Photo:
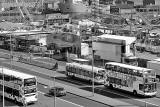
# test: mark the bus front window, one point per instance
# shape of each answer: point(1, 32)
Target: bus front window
point(150, 87)
point(28, 91)
point(99, 76)
point(30, 82)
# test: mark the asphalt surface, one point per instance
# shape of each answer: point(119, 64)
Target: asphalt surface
point(142, 102)
point(44, 101)
point(109, 93)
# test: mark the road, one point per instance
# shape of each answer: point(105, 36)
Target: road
point(44, 101)
point(116, 94)
point(41, 72)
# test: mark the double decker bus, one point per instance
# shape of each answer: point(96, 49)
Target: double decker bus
point(130, 78)
point(85, 72)
point(18, 86)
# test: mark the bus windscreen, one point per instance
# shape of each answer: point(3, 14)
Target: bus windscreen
point(30, 82)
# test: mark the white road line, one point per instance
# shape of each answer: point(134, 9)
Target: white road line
point(70, 102)
point(130, 98)
point(65, 100)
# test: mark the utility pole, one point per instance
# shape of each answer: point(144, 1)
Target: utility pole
point(3, 88)
point(92, 69)
point(11, 53)
point(54, 82)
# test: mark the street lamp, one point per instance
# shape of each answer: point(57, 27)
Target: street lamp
point(3, 85)
point(11, 53)
point(54, 90)
point(92, 67)
point(54, 81)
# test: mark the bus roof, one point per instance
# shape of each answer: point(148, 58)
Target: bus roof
point(87, 67)
point(79, 59)
point(16, 73)
point(129, 66)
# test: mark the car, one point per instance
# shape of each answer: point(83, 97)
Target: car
point(60, 91)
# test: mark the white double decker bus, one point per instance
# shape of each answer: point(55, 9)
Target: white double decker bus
point(130, 78)
point(18, 86)
point(85, 72)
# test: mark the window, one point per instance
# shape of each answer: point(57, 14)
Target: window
point(1, 87)
point(118, 81)
point(16, 80)
point(6, 77)
point(119, 69)
point(108, 67)
point(139, 73)
point(67, 68)
point(30, 91)
point(112, 80)
point(8, 90)
point(114, 68)
point(86, 73)
point(124, 70)
point(90, 74)
point(73, 69)
point(30, 82)
point(1, 76)
point(130, 71)
point(82, 72)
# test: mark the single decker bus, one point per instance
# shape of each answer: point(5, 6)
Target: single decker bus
point(19, 87)
point(130, 78)
point(85, 72)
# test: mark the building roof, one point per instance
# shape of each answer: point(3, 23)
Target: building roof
point(116, 39)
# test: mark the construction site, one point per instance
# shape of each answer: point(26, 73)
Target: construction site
point(139, 19)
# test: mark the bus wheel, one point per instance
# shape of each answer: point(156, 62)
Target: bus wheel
point(134, 92)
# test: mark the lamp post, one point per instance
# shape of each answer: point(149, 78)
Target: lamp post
point(11, 53)
point(92, 67)
point(3, 87)
point(54, 90)
point(54, 81)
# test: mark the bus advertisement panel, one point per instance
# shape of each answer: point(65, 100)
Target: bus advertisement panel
point(130, 78)
point(85, 72)
point(18, 86)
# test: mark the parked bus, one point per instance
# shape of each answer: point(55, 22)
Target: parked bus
point(18, 86)
point(130, 78)
point(85, 72)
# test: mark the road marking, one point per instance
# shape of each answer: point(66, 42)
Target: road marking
point(63, 100)
point(2, 58)
point(70, 102)
point(129, 97)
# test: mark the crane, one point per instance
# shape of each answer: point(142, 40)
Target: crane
point(24, 11)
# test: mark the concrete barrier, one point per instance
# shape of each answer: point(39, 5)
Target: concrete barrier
point(29, 60)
